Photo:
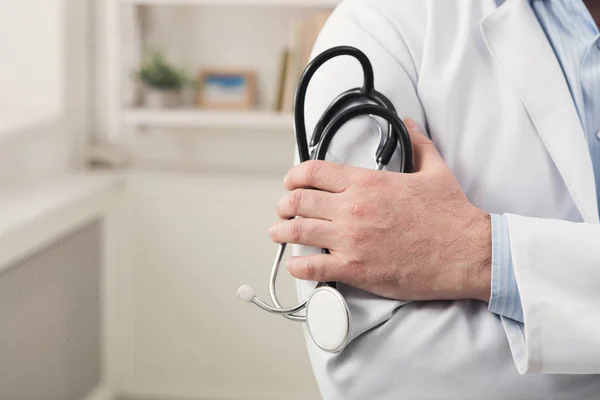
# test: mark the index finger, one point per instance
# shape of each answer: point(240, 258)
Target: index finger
point(316, 174)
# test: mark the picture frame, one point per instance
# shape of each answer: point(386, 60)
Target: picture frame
point(226, 89)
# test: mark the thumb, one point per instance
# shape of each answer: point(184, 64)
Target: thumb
point(425, 155)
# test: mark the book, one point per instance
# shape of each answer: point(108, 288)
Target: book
point(293, 68)
point(281, 82)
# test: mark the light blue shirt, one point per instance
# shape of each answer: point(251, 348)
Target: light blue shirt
point(576, 41)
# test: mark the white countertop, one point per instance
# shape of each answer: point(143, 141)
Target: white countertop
point(30, 216)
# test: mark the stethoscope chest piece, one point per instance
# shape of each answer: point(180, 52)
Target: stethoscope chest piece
point(328, 319)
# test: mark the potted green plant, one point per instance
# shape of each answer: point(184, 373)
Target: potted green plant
point(163, 83)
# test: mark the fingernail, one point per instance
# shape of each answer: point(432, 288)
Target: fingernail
point(288, 266)
point(272, 230)
point(410, 124)
point(285, 179)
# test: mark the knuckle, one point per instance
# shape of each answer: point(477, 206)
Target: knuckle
point(295, 201)
point(311, 172)
point(358, 210)
point(296, 230)
point(368, 180)
point(309, 270)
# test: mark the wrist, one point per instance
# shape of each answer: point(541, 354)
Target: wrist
point(479, 276)
point(469, 254)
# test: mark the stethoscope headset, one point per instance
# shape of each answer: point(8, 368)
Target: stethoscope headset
point(326, 312)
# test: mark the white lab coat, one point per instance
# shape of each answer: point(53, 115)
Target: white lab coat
point(482, 79)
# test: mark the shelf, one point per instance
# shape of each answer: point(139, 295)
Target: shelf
point(240, 3)
point(246, 120)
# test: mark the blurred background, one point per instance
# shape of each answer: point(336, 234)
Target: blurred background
point(142, 149)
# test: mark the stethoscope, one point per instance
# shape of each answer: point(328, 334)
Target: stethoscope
point(327, 315)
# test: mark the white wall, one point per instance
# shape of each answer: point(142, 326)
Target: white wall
point(31, 90)
point(195, 239)
point(32, 51)
point(33, 153)
point(45, 100)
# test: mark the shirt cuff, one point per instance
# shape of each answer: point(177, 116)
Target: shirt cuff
point(504, 299)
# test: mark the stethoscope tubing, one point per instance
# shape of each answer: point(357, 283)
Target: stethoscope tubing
point(389, 116)
point(273, 290)
point(311, 69)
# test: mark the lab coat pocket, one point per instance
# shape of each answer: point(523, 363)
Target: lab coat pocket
point(367, 311)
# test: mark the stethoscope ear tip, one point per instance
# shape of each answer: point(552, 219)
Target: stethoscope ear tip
point(246, 293)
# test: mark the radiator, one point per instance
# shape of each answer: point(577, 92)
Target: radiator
point(50, 342)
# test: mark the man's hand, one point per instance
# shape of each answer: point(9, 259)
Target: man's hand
point(401, 236)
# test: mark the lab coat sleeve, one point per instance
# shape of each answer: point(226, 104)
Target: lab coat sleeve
point(358, 23)
point(557, 267)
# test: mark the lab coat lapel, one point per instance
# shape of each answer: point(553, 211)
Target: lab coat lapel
point(520, 48)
